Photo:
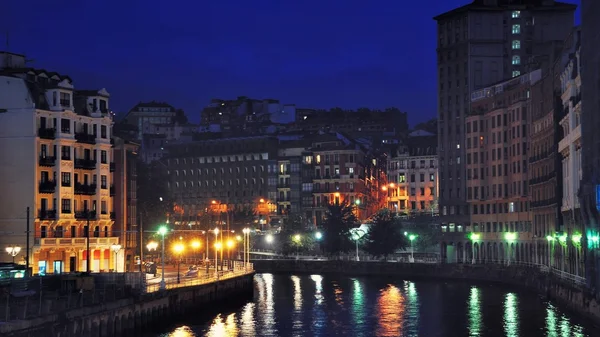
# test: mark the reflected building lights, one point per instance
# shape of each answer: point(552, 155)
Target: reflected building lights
point(562, 327)
point(248, 324)
point(358, 301)
point(183, 331)
point(319, 319)
point(511, 315)
point(297, 314)
point(390, 310)
point(475, 323)
point(270, 328)
point(412, 310)
point(337, 292)
point(318, 288)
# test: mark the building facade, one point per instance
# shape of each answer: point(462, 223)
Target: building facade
point(479, 44)
point(590, 120)
point(57, 153)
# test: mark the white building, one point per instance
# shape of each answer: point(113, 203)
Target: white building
point(56, 160)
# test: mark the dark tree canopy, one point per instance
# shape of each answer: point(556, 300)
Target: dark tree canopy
point(385, 235)
point(339, 220)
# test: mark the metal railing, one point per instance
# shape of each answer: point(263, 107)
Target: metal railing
point(204, 276)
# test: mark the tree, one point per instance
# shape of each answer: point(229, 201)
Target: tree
point(385, 235)
point(241, 218)
point(339, 220)
point(294, 235)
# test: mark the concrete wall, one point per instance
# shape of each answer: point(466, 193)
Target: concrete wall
point(130, 316)
point(578, 299)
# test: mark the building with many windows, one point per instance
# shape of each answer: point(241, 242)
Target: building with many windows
point(481, 43)
point(56, 155)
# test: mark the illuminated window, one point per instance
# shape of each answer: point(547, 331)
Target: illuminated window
point(516, 44)
point(516, 73)
point(318, 159)
point(516, 29)
point(516, 60)
point(458, 146)
point(516, 14)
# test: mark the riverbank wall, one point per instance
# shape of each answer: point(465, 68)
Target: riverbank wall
point(575, 297)
point(128, 317)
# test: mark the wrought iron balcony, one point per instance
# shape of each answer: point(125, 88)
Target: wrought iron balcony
point(83, 215)
point(86, 164)
point(83, 137)
point(47, 161)
point(47, 133)
point(48, 186)
point(85, 189)
point(47, 214)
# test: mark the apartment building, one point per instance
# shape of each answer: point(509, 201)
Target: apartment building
point(56, 160)
point(479, 44)
point(145, 115)
point(413, 176)
point(497, 146)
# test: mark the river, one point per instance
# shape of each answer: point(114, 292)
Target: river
point(315, 305)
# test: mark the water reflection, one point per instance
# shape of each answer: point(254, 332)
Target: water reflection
point(319, 319)
point(268, 306)
point(561, 327)
point(223, 327)
point(390, 309)
point(358, 302)
point(412, 310)
point(247, 324)
point(183, 331)
point(511, 315)
point(297, 314)
point(474, 313)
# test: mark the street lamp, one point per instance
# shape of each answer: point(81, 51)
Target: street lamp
point(297, 239)
point(474, 237)
point(218, 246)
point(216, 231)
point(162, 230)
point(511, 238)
point(576, 238)
point(13, 251)
point(550, 239)
point(246, 232)
point(318, 235)
point(412, 238)
point(116, 248)
point(179, 248)
point(356, 235)
point(269, 238)
point(196, 244)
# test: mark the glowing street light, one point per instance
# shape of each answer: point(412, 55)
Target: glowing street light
point(474, 237)
point(230, 244)
point(412, 238)
point(116, 248)
point(269, 238)
point(13, 251)
point(179, 248)
point(246, 232)
point(318, 235)
point(162, 230)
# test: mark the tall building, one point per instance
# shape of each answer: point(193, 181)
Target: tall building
point(479, 44)
point(497, 146)
point(56, 154)
point(590, 124)
point(146, 114)
point(569, 148)
point(413, 176)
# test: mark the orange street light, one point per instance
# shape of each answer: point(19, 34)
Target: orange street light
point(214, 202)
point(196, 244)
point(337, 194)
point(230, 244)
point(392, 185)
point(262, 200)
point(384, 188)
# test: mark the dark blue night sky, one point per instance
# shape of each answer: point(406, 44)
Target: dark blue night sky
point(317, 54)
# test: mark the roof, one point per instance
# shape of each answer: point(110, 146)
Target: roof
point(478, 5)
point(101, 92)
point(152, 104)
point(37, 72)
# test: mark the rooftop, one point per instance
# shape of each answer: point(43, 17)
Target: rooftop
point(501, 5)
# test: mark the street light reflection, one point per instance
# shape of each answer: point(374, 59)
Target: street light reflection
point(390, 309)
point(183, 331)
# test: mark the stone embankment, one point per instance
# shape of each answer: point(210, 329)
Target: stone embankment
point(128, 317)
point(577, 298)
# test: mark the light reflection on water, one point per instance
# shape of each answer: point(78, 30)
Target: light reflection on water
point(326, 306)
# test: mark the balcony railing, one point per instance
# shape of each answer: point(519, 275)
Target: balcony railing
point(283, 185)
point(85, 189)
point(48, 186)
point(86, 164)
point(47, 214)
point(112, 167)
point(47, 161)
point(77, 242)
point(47, 133)
point(112, 190)
point(83, 137)
point(543, 203)
point(83, 215)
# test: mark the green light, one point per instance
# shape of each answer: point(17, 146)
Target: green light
point(510, 236)
point(318, 235)
point(412, 237)
point(549, 238)
point(562, 238)
point(405, 233)
point(163, 230)
point(576, 238)
point(357, 201)
point(475, 236)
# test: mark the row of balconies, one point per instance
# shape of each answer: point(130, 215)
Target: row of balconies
point(540, 156)
point(85, 164)
point(542, 179)
point(76, 242)
point(80, 137)
point(542, 203)
point(49, 186)
point(51, 214)
point(338, 176)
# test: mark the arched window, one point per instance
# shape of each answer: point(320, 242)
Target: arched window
point(516, 44)
point(516, 60)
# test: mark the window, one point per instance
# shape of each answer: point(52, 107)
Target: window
point(401, 178)
point(431, 177)
point(516, 14)
point(66, 179)
point(516, 73)
point(422, 177)
point(103, 131)
point(65, 206)
point(103, 208)
point(103, 157)
point(103, 182)
point(65, 125)
point(516, 60)
point(516, 29)
point(65, 153)
point(516, 44)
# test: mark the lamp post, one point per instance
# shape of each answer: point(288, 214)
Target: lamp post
point(576, 238)
point(152, 246)
point(297, 239)
point(356, 235)
point(474, 237)
point(196, 245)
point(246, 232)
point(13, 251)
point(412, 238)
point(216, 231)
point(550, 239)
point(116, 248)
point(511, 238)
point(179, 250)
point(163, 231)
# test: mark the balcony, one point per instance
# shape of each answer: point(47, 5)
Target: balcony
point(283, 185)
point(112, 190)
point(86, 138)
point(47, 214)
point(113, 215)
point(112, 167)
point(83, 215)
point(48, 186)
point(77, 242)
point(47, 161)
point(86, 164)
point(85, 189)
point(47, 133)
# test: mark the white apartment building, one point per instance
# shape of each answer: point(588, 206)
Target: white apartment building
point(56, 160)
point(570, 145)
point(413, 176)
